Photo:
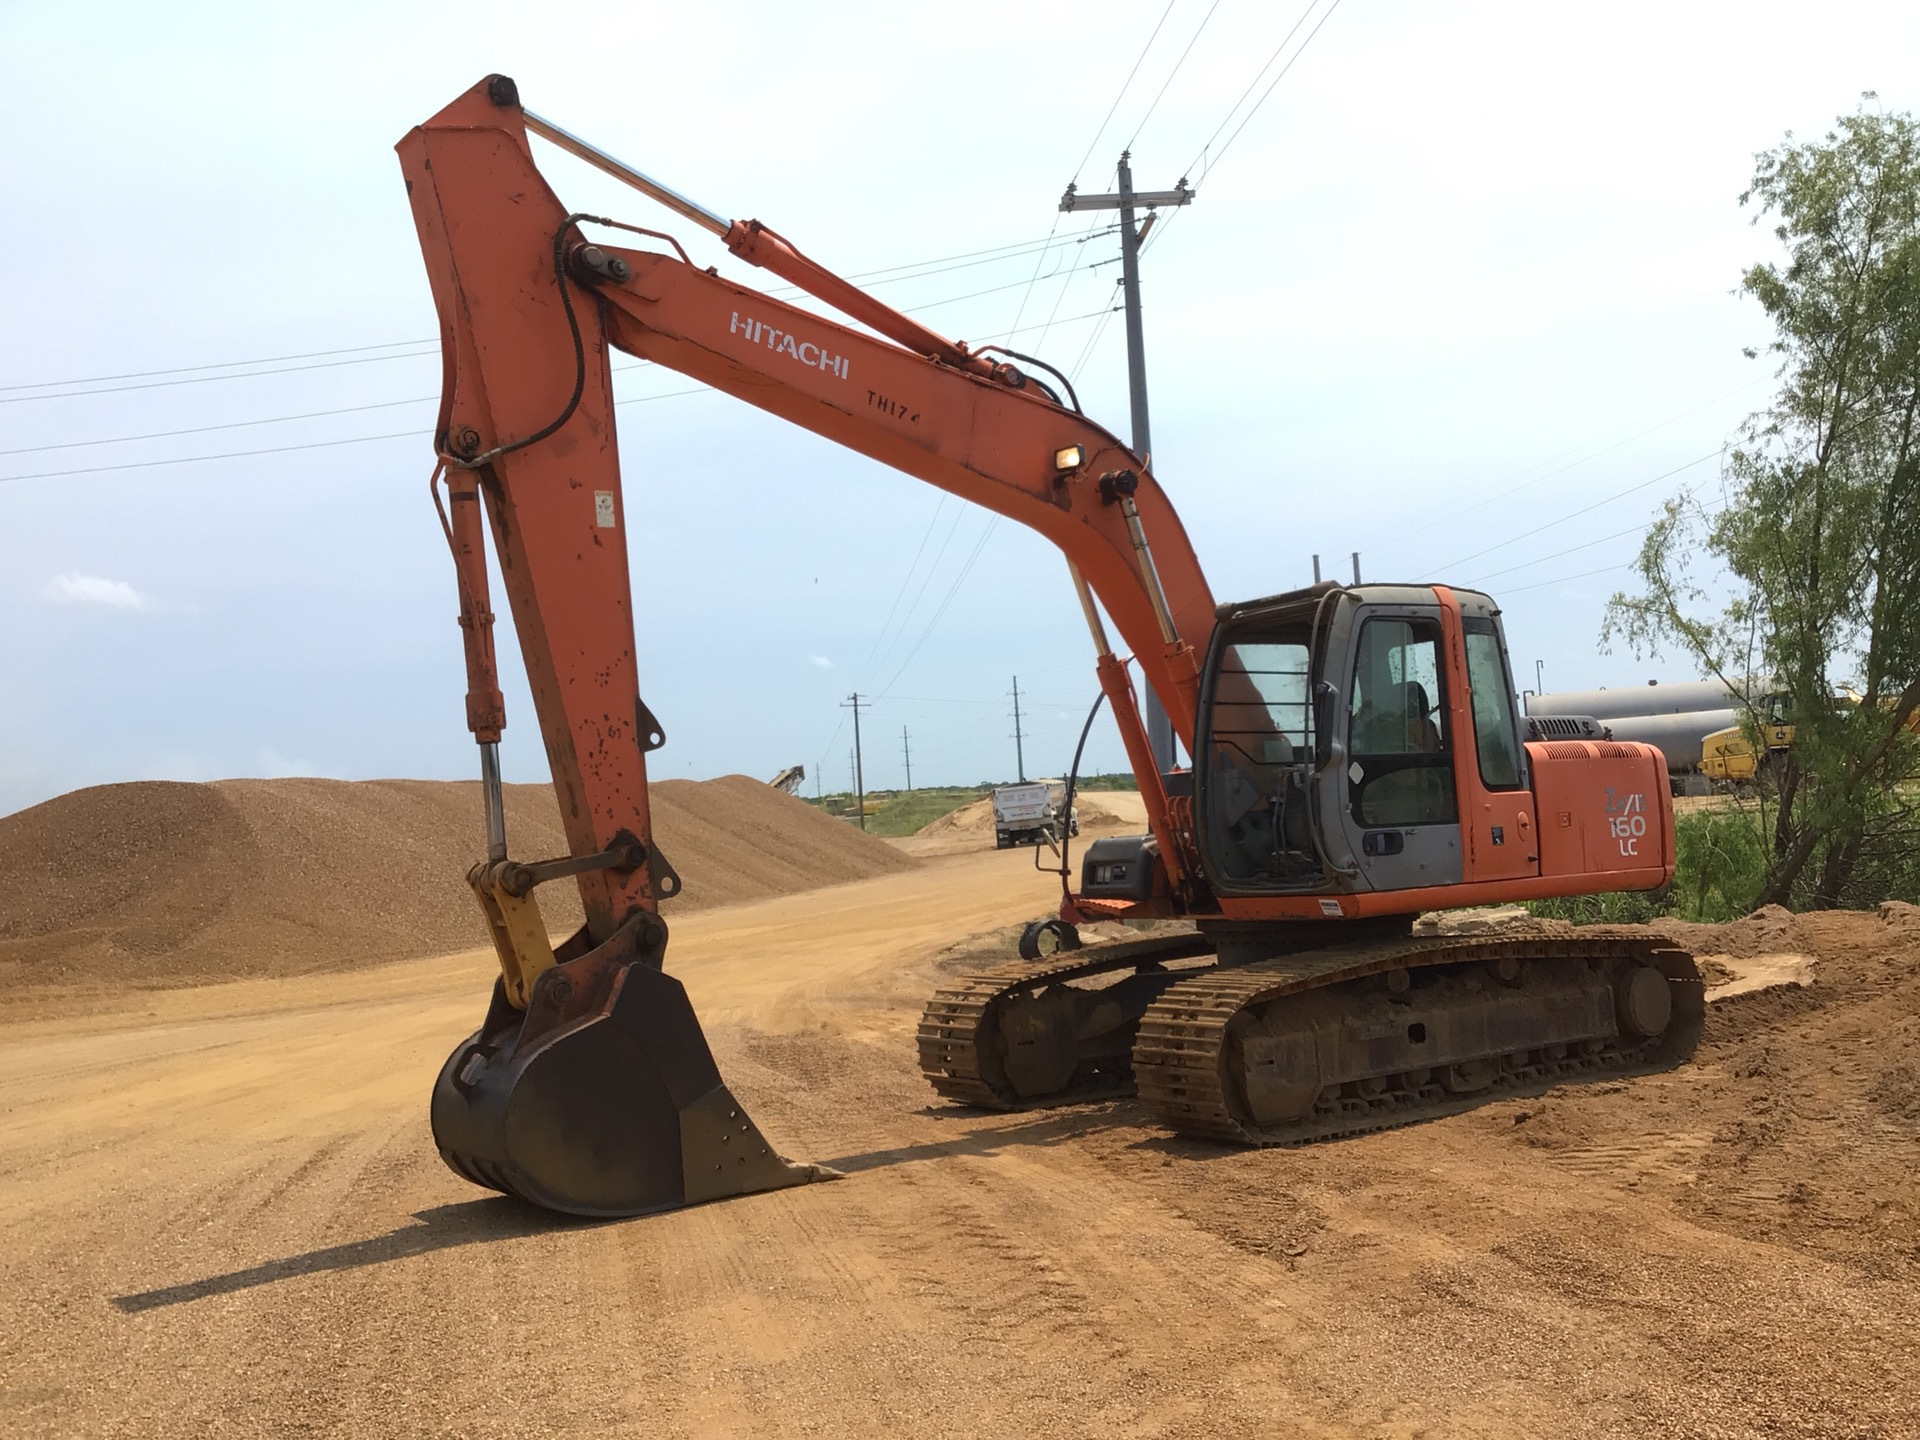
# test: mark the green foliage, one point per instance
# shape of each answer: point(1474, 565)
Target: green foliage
point(1818, 539)
point(1719, 867)
point(1613, 907)
point(1122, 780)
point(903, 812)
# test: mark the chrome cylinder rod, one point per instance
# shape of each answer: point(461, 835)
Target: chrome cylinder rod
point(626, 174)
point(496, 802)
point(1090, 610)
point(1149, 575)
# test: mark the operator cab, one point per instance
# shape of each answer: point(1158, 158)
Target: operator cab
point(1327, 753)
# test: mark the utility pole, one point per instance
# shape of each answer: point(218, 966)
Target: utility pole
point(854, 702)
point(1159, 727)
point(1356, 567)
point(907, 751)
point(1019, 754)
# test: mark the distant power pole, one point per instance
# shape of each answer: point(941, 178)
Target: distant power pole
point(907, 751)
point(854, 702)
point(1356, 567)
point(1019, 754)
point(1159, 727)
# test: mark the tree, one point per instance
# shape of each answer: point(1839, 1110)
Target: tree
point(1818, 534)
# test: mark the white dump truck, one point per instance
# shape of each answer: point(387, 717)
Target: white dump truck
point(1029, 814)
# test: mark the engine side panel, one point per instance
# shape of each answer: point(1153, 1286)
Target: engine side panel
point(1602, 808)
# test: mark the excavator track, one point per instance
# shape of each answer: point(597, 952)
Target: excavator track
point(1345, 1040)
point(1019, 1036)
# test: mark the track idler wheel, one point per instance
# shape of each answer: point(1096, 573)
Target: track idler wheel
point(1042, 938)
point(602, 1098)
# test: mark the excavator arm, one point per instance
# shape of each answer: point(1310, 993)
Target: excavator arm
point(576, 1062)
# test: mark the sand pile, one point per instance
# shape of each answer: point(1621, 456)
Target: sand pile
point(160, 883)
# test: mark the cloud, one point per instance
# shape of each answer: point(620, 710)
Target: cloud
point(73, 588)
point(820, 661)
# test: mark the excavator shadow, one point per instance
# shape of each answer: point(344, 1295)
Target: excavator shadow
point(441, 1227)
point(1051, 1127)
point(501, 1217)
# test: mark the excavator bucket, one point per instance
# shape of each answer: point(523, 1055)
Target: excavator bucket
point(602, 1098)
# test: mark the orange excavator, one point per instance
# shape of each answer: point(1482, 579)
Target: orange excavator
point(1355, 753)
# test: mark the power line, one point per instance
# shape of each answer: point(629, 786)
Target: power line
point(964, 260)
point(952, 590)
point(215, 365)
point(264, 420)
point(913, 567)
point(1564, 579)
point(1070, 320)
point(1214, 160)
point(1027, 294)
point(1584, 509)
point(1687, 494)
point(1170, 74)
point(932, 569)
point(288, 449)
point(1061, 295)
point(1123, 91)
point(974, 295)
point(1093, 342)
point(205, 379)
point(351, 440)
point(229, 425)
point(1040, 250)
point(1576, 464)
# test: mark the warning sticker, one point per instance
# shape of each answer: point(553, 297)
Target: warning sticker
point(1330, 908)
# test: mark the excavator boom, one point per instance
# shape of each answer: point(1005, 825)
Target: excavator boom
point(590, 1087)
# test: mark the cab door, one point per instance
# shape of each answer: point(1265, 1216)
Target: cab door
point(1497, 806)
point(1401, 811)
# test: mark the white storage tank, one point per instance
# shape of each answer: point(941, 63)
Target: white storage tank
point(1684, 698)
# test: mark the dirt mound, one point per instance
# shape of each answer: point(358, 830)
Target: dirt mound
point(160, 883)
point(1798, 1121)
point(1769, 929)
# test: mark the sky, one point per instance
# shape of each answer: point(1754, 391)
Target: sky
point(1459, 291)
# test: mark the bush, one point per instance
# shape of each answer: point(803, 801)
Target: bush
point(1720, 864)
point(1610, 907)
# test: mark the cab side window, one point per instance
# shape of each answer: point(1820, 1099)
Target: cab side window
point(1493, 726)
point(1401, 767)
point(1261, 747)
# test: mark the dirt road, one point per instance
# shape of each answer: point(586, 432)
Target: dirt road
point(221, 1214)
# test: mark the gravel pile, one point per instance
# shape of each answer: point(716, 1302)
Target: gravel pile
point(165, 883)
